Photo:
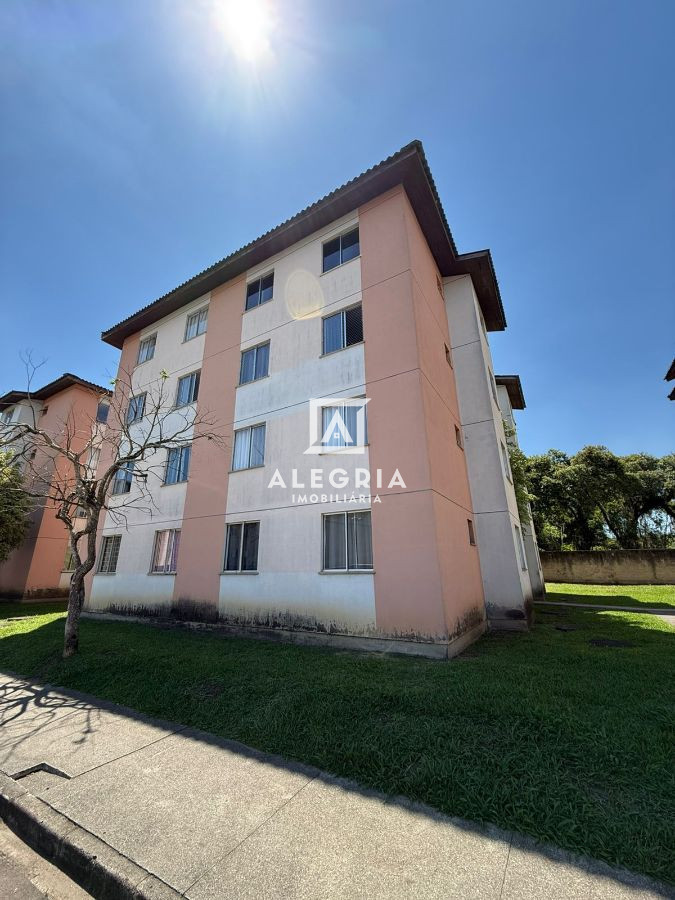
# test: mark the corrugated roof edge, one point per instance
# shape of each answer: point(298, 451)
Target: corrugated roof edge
point(48, 390)
point(479, 264)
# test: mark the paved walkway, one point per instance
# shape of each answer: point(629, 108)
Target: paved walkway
point(213, 818)
point(664, 611)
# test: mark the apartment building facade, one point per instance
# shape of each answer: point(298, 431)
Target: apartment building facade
point(333, 496)
point(42, 565)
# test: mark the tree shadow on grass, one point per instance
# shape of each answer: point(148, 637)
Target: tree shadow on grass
point(381, 721)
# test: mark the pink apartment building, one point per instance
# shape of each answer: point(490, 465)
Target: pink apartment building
point(42, 565)
point(359, 495)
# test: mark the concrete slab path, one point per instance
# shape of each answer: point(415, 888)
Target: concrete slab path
point(215, 819)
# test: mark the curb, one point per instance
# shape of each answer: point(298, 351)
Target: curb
point(96, 866)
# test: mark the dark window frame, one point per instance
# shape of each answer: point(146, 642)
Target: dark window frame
point(259, 294)
point(242, 531)
point(341, 239)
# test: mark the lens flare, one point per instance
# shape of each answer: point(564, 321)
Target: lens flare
point(247, 25)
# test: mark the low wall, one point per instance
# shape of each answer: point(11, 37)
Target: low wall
point(610, 566)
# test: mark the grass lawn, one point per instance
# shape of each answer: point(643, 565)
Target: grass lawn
point(651, 596)
point(544, 733)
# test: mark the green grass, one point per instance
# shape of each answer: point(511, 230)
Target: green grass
point(651, 596)
point(542, 733)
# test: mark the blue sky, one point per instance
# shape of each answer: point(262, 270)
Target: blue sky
point(138, 146)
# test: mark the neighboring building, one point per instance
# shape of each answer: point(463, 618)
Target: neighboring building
point(361, 295)
point(670, 375)
point(510, 395)
point(41, 566)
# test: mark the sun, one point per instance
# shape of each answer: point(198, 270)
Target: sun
point(247, 25)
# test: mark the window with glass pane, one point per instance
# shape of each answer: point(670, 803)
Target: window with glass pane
point(521, 548)
point(110, 551)
point(254, 363)
point(342, 329)
point(241, 547)
point(196, 324)
point(341, 249)
point(177, 465)
point(102, 411)
point(188, 389)
point(69, 562)
point(123, 478)
point(344, 429)
point(472, 533)
point(146, 349)
point(260, 291)
point(136, 408)
point(249, 448)
point(165, 552)
point(347, 541)
point(7, 416)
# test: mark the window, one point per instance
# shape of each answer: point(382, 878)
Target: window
point(165, 551)
point(188, 389)
point(136, 408)
point(44, 411)
point(196, 324)
point(347, 542)
point(342, 329)
point(505, 461)
point(521, 548)
point(241, 547)
point(146, 349)
point(249, 448)
point(102, 411)
point(472, 533)
point(439, 285)
point(260, 291)
point(448, 356)
point(177, 465)
point(110, 551)
point(7, 416)
point(341, 249)
point(255, 363)
point(458, 438)
point(123, 478)
point(493, 386)
point(92, 462)
point(69, 561)
point(343, 424)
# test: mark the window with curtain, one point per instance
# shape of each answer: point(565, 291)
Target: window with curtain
point(109, 554)
point(342, 329)
point(196, 324)
point(177, 465)
point(146, 349)
point(249, 448)
point(136, 408)
point(341, 249)
point(260, 291)
point(123, 479)
point(165, 551)
point(343, 423)
point(241, 547)
point(347, 542)
point(188, 389)
point(255, 363)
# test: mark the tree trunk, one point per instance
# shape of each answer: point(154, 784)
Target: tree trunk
point(75, 603)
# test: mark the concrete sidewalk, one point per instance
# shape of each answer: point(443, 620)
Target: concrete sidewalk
point(212, 818)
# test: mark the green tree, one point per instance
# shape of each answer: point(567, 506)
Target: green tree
point(14, 507)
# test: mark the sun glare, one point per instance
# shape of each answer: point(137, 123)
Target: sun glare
point(247, 25)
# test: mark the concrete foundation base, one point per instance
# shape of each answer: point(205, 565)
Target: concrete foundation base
point(431, 650)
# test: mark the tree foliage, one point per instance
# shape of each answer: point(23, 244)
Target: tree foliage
point(15, 506)
point(595, 499)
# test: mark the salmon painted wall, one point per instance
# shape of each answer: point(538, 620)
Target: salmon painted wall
point(409, 380)
point(128, 359)
point(202, 540)
point(74, 410)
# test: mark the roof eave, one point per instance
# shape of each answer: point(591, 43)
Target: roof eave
point(407, 167)
point(514, 388)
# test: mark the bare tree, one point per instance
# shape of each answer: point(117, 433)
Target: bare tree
point(78, 473)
